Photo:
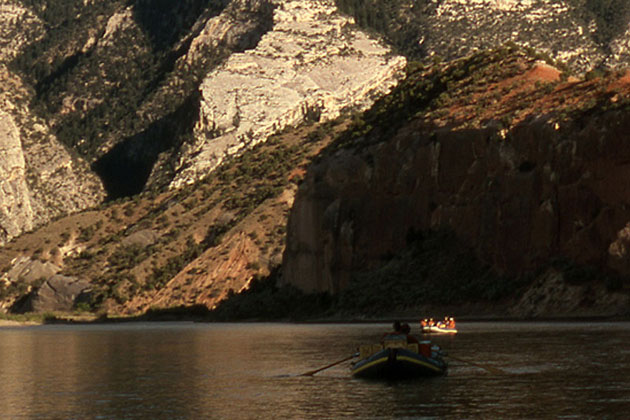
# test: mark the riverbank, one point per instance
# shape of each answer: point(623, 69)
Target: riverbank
point(7, 323)
point(194, 315)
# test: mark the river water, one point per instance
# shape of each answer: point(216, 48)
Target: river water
point(250, 371)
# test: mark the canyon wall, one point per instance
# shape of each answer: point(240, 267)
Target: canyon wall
point(543, 189)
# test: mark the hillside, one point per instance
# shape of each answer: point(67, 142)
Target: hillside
point(192, 246)
point(113, 98)
point(581, 34)
point(448, 234)
point(163, 156)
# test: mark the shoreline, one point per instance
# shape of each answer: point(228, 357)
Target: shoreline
point(181, 317)
point(11, 323)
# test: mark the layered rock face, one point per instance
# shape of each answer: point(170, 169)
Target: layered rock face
point(542, 189)
point(518, 202)
point(311, 64)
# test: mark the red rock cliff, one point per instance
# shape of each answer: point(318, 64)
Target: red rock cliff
point(552, 180)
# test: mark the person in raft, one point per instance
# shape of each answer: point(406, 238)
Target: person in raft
point(451, 323)
point(406, 330)
point(396, 334)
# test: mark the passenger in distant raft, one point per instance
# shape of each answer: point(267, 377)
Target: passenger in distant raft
point(451, 323)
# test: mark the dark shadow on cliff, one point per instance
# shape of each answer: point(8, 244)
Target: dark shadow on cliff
point(436, 268)
point(166, 21)
point(125, 169)
point(266, 300)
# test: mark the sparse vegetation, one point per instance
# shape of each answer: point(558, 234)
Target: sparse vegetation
point(436, 269)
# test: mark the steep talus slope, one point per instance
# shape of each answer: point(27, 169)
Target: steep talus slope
point(525, 169)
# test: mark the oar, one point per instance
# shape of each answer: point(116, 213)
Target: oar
point(490, 369)
point(313, 372)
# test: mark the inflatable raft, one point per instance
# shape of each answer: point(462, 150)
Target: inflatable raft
point(398, 361)
point(437, 329)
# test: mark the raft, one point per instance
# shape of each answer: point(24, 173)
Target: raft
point(398, 361)
point(434, 329)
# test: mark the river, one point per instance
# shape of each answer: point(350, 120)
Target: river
point(250, 371)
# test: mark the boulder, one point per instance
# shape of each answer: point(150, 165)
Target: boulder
point(143, 238)
point(59, 293)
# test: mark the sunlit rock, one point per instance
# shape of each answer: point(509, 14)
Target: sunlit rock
point(313, 64)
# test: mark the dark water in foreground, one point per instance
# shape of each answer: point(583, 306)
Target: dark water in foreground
point(234, 371)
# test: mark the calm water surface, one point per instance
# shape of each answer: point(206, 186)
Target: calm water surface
point(247, 371)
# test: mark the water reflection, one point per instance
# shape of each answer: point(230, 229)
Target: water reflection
point(185, 371)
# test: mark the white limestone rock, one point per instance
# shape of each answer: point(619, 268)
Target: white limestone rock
point(16, 213)
point(312, 62)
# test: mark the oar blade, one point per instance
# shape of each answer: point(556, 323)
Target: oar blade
point(313, 372)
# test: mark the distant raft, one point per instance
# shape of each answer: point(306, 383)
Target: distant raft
point(398, 360)
point(429, 326)
point(438, 329)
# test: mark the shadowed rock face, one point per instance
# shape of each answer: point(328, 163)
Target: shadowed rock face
point(519, 197)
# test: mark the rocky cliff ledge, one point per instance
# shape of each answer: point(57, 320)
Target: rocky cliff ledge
point(524, 168)
point(311, 65)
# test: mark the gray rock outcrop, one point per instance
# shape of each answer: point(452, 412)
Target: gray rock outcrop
point(59, 293)
point(143, 238)
point(29, 271)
